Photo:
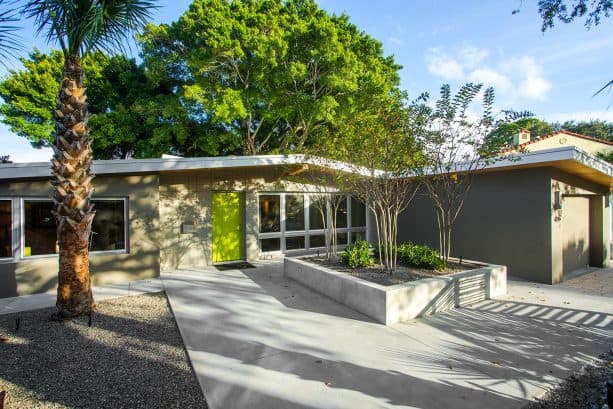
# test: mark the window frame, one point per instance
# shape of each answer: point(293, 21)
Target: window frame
point(307, 232)
point(22, 221)
point(14, 230)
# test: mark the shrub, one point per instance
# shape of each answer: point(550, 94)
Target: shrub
point(357, 255)
point(420, 256)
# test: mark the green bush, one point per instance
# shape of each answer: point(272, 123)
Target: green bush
point(357, 255)
point(420, 256)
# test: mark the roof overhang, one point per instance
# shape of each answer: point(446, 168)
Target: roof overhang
point(568, 159)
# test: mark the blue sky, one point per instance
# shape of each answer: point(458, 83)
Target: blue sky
point(552, 74)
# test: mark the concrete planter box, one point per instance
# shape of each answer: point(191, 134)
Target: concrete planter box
point(401, 302)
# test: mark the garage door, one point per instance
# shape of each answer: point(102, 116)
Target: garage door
point(576, 231)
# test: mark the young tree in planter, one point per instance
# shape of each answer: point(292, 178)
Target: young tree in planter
point(455, 148)
point(382, 153)
point(79, 27)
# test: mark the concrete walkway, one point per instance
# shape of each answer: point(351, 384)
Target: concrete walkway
point(46, 300)
point(257, 340)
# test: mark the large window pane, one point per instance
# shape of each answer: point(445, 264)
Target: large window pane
point(294, 212)
point(358, 213)
point(317, 213)
point(341, 238)
point(273, 244)
point(39, 229)
point(294, 243)
point(318, 240)
point(6, 229)
point(341, 211)
point(108, 228)
point(270, 215)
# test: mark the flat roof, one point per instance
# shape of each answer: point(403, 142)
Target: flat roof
point(567, 158)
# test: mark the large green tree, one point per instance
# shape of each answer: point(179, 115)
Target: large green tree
point(595, 128)
point(131, 113)
point(79, 27)
point(273, 75)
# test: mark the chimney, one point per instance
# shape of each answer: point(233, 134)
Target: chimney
point(522, 137)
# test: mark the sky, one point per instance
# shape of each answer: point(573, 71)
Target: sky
point(553, 74)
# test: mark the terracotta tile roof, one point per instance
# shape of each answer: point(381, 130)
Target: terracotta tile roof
point(578, 135)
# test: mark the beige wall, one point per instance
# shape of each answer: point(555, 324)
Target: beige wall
point(562, 139)
point(34, 275)
point(185, 197)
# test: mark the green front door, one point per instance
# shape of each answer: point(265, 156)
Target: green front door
point(227, 226)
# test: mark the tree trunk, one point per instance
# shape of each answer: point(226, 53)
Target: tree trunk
point(72, 192)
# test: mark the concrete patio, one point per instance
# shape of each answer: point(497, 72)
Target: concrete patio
point(258, 340)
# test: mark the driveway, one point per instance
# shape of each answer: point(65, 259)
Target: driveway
point(258, 340)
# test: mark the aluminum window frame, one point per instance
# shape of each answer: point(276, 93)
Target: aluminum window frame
point(14, 230)
point(22, 221)
point(307, 232)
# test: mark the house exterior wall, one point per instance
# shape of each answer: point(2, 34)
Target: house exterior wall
point(19, 276)
point(504, 220)
point(562, 139)
point(509, 218)
point(186, 197)
point(569, 246)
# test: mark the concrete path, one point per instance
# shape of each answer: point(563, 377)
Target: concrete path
point(46, 300)
point(257, 340)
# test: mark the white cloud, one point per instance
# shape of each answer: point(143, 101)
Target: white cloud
point(442, 65)
point(491, 77)
point(533, 85)
point(513, 79)
point(470, 56)
point(396, 41)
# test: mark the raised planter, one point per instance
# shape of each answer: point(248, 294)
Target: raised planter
point(401, 302)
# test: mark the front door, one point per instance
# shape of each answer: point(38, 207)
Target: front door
point(227, 226)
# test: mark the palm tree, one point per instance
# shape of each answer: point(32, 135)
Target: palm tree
point(78, 26)
point(9, 40)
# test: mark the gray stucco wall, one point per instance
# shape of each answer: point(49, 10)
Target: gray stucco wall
point(141, 260)
point(508, 218)
point(505, 220)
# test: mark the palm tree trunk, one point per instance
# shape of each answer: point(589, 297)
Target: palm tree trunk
point(72, 192)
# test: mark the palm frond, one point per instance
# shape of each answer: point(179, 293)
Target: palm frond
point(81, 26)
point(9, 39)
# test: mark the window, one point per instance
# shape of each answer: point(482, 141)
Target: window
point(39, 229)
point(108, 227)
point(317, 213)
point(318, 240)
point(270, 215)
point(358, 213)
point(341, 213)
point(294, 243)
point(294, 212)
point(40, 236)
point(286, 219)
point(6, 229)
point(273, 244)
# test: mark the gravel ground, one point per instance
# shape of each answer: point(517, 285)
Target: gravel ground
point(131, 357)
point(585, 390)
point(402, 274)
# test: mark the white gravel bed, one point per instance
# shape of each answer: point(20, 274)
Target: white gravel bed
point(131, 357)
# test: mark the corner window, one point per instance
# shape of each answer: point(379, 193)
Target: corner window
point(341, 212)
point(6, 229)
point(358, 213)
point(317, 213)
point(39, 231)
point(294, 212)
point(270, 213)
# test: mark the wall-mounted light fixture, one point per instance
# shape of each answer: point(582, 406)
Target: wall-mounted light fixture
point(557, 200)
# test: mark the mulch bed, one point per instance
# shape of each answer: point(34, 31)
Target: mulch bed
point(585, 390)
point(131, 357)
point(402, 274)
